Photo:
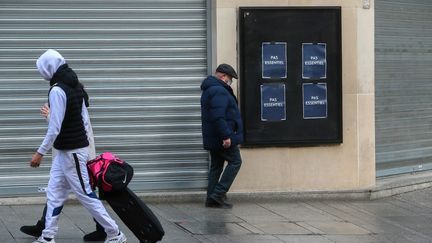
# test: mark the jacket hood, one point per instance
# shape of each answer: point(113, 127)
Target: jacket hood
point(48, 63)
point(65, 75)
point(212, 81)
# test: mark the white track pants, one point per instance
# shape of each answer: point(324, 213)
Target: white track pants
point(69, 173)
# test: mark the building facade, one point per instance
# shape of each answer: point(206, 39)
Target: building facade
point(142, 62)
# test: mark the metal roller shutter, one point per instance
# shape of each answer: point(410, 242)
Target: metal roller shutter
point(403, 86)
point(142, 62)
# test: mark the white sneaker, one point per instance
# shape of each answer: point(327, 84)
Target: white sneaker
point(120, 238)
point(42, 240)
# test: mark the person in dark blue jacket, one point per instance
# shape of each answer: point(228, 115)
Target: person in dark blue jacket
point(222, 130)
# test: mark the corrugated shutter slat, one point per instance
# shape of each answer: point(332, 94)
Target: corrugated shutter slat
point(142, 62)
point(403, 86)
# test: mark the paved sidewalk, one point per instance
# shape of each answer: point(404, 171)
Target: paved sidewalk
point(403, 218)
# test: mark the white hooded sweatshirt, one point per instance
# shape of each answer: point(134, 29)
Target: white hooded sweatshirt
point(47, 65)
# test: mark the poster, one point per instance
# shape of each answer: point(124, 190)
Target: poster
point(274, 60)
point(314, 61)
point(314, 101)
point(273, 106)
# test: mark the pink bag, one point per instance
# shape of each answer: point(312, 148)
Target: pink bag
point(109, 173)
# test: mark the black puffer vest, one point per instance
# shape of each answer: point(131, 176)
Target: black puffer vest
point(72, 133)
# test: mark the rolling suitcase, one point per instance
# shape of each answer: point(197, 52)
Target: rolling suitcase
point(135, 215)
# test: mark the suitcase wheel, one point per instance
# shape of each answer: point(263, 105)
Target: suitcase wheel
point(146, 230)
point(149, 228)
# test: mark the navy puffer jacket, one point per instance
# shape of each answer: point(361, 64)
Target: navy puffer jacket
point(220, 114)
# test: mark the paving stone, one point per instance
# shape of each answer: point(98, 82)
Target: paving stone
point(251, 228)
point(304, 239)
point(371, 222)
point(201, 213)
point(412, 207)
point(413, 222)
point(171, 213)
point(21, 240)
point(29, 214)
point(239, 238)
point(280, 228)
point(210, 228)
point(58, 240)
point(254, 239)
point(210, 238)
point(5, 235)
point(177, 239)
point(68, 229)
point(342, 210)
point(298, 211)
point(403, 238)
point(338, 228)
point(310, 228)
point(80, 216)
point(255, 213)
point(354, 239)
point(12, 221)
point(422, 198)
point(381, 208)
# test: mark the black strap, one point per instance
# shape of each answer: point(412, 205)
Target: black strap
point(79, 172)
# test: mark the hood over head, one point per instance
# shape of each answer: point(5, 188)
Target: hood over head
point(48, 63)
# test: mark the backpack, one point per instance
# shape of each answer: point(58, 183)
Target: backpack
point(109, 173)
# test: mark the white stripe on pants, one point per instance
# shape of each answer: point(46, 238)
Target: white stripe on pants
point(65, 176)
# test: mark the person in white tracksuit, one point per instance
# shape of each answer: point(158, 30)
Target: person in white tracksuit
point(36, 230)
point(66, 133)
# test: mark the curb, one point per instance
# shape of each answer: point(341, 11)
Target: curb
point(385, 187)
point(399, 184)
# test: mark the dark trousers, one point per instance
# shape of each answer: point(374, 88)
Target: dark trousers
point(219, 183)
point(41, 221)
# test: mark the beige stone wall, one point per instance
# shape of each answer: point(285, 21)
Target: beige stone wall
point(350, 165)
